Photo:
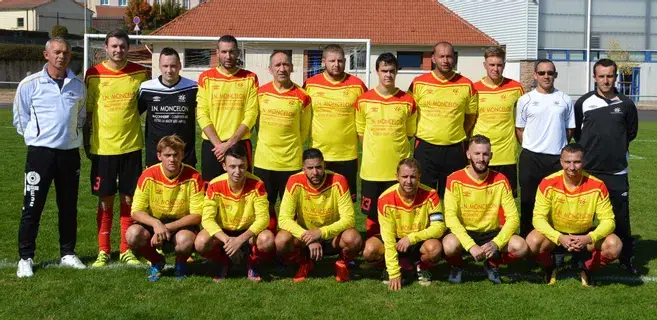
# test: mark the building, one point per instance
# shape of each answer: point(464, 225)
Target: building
point(94, 5)
point(42, 15)
point(409, 31)
point(625, 31)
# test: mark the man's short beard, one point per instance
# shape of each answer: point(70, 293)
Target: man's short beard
point(474, 167)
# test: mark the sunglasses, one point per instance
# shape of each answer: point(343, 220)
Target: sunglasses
point(549, 73)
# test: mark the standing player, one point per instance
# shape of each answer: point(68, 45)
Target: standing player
point(334, 95)
point(317, 213)
point(235, 217)
point(227, 108)
point(283, 127)
point(606, 123)
point(567, 204)
point(447, 107)
point(167, 207)
point(113, 139)
point(385, 121)
point(481, 214)
point(170, 105)
point(412, 224)
point(49, 111)
point(496, 117)
point(545, 122)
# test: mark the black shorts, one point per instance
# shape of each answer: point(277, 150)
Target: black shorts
point(275, 182)
point(438, 162)
point(412, 253)
point(349, 169)
point(481, 238)
point(327, 248)
point(211, 167)
point(105, 170)
point(370, 192)
point(168, 246)
point(510, 171)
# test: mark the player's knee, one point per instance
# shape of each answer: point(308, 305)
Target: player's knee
point(432, 249)
point(351, 240)
point(372, 250)
point(185, 241)
point(534, 241)
point(612, 246)
point(518, 247)
point(451, 245)
point(136, 236)
point(202, 243)
point(283, 241)
point(265, 241)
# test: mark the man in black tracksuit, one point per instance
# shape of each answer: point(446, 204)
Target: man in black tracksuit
point(606, 123)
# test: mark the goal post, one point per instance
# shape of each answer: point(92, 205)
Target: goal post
point(198, 54)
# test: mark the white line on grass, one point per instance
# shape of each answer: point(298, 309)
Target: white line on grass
point(4, 264)
point(638, 140)
point(636, 157)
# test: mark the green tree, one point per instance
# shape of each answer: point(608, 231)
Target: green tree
point(58, 31)
point(141, 9)
point(166, 11)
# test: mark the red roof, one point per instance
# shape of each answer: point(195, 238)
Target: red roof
point(110, 12)
point(21, 4)
point(422, 22)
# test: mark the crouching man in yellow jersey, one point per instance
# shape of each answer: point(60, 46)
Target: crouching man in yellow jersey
point(167, 207)
point(317, 213)
point(235, 217)
point(481, 214)
point(567, 204)
point(411, 220)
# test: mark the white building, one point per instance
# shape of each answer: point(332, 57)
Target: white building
point(42, 15)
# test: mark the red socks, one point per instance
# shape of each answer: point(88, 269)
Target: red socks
point(217, 255)
point(456, 260)
point(126, 222)
point(597, 260)
point(104, 223)
point(544, 258)
point(151, 254)
point(257, 256)
point(505, 258)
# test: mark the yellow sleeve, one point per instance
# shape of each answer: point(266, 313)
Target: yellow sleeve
point(306, 121)
point(542, 208)
point(511, 218)
point(436, 227)
point(251, 106)
point(605, 214)
point(411, 122)
point(202, 104)
point(346, 221)
point(473, 105)
point(196, 199)
point(209, 219)
point(286, 215)
point(389, 236)
point(141, 200)
point(452, 208)
point(360, 119)
point(261, 209)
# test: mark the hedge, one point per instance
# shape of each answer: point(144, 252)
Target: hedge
point(27, 52)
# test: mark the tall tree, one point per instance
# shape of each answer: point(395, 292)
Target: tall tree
point(141, 9)
point(166, 11)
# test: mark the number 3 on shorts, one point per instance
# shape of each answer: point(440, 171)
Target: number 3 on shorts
point(97, 185)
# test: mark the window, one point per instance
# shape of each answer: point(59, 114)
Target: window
point(653, 57)
point(20, 22)
point(357, 60)
point(576, 55)
point(197, 58)
point(186, 4)
point(595, 41)
point(409, 60)
point(104, 2)
point(123, 3)
point(558, 55)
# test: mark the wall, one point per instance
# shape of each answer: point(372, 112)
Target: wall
point(15, 71)
point(9, 19)
point(71, 16)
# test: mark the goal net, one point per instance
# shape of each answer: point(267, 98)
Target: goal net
point(198, 54)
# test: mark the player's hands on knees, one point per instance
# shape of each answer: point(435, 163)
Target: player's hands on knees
point(395, 284)
point(490, 249)
point(311, 236)
point(477, 252)
point(161, 234)
point(568, 241)
point(580, 242)
point(403, 244)
point(232, 245)
point(315, 251)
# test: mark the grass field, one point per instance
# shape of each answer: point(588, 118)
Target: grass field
point(121, 292)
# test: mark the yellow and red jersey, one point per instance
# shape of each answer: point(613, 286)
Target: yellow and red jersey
point(561, 210)
point(386, 123)
point(226, 101)
point(496, 118)
point(414, 220)
point(225, 210)
point(112, 99)
point(327, 207)
point(284, 125)
point(334, 115)
point(442, 106)
point(480, 206)
point(165, 198)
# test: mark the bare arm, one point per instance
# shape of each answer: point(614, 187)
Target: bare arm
point(519, 132)
point(469, 122)
point(188, 220)
point(212, 135)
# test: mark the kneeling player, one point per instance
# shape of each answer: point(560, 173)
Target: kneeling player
point(235, 217)
point(411, 220)
point(167, 207)
point(567, 203)
point(481, 214)
point(317, 213)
